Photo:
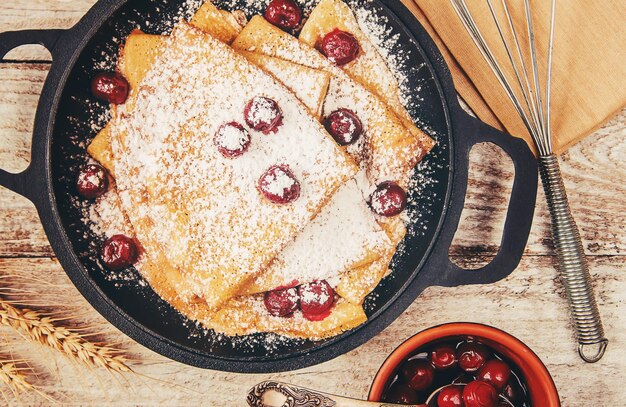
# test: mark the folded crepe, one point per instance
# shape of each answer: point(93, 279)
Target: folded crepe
point(189, 204)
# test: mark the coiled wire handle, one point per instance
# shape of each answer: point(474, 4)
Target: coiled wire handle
point(572, 262)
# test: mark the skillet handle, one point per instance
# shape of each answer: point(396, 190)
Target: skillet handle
point(22, 182)
point(519, 217)
point(13, 39)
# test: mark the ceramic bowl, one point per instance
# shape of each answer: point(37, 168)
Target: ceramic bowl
point(541, 388)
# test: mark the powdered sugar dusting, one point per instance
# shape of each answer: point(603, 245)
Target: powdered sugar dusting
point(311, 295)
point(108, 217)
point(261, 110)
point(160, 147)
point(342, 235)
point(421, 182)
point(277, 182)
point(232, 138)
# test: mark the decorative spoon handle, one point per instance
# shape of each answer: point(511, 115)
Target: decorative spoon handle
point(277, 394)
point(572, 262)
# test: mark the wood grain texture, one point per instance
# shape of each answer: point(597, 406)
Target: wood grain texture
point(530, 304)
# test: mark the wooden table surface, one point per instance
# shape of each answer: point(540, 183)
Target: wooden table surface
point(530, 304)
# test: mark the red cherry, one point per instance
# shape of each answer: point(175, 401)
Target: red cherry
point(400, 393)
point(263, 114)
point(340, 47)
point(389, 199)
point(419, 374)
point(283, 13)
point(232, 139)
point(111, 87)
point(451, 396)
point(471, 356)
point(91, 181)
point(443, 357)
point(119, 252)
point(496, 372)
point(281, 303)
point(344, 126)
point(279, 185)
point(480, 394)
point(316, 297)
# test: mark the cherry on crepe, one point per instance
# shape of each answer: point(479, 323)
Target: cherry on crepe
point(232, 139)
point(279, 185)
point(389, 199)
point(263, 114)
point(340, 47)
point(344, 126)
point(281, 303)
point(316, 297)
point(283, 13)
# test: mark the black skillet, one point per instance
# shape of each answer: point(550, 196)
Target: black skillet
point(65, 109)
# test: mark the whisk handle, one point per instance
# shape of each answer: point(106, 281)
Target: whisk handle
point(573, 265)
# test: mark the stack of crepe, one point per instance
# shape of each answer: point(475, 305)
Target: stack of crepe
point(204, 252)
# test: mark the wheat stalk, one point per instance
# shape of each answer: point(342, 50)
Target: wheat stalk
point(14, 378)
point(42, 329)
point(17, 381)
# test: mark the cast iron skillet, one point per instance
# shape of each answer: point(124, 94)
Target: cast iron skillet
point(65, 108)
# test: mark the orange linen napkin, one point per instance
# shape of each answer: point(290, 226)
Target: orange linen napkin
point(589, 62)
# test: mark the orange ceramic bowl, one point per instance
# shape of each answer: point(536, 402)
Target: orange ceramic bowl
point(541, 389)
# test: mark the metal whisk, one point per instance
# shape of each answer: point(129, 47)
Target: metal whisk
point(526, 94)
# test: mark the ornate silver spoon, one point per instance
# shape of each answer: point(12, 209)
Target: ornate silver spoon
point(277, 394)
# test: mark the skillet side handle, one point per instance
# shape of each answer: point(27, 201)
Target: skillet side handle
point(21, 183)
point(519, 217)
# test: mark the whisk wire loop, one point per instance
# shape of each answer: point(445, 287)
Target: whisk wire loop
point(542, 136)
point(477, 37)
point(549, 75)
point(520, 75)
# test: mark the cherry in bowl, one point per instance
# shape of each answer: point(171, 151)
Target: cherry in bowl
point(457, 372)
point(451, 396)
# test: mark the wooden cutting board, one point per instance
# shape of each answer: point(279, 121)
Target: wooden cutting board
point(588, 70)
